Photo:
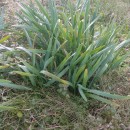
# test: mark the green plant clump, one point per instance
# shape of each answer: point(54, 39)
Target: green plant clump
point(67, 45)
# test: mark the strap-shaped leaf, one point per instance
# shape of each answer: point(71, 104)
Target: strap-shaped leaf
point(7, 108)
point(62, 73)
point(82, 94)
point(119, 60)
point(4, 66)
point(122, 44)
point(79, 72)
point(56, 78)
point(4, 39)
point(85, 78)
point(31, 68)
point(42, 9)
point(63, 63)
point(104, 100)
point(105, 94)
point(31, 78)
point(22, 73)
point(14, 86)
point(48, 62)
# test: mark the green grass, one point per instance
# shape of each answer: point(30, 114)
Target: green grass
point(52, 109)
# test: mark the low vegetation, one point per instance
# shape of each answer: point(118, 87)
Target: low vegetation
point(68, 49)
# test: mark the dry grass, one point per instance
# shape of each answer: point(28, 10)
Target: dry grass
point(120, 9)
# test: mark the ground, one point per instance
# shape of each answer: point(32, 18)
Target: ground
point(47, 109)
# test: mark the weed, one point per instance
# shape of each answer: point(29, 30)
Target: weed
point(66, 46)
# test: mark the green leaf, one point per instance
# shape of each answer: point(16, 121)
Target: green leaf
point(48, 62)
point(31, 78)
point(25, 50)
point(117, 61)
point(122, 44)
point(4, 81)
point(31, 68)
point(7, 108)
point(55, 78)
point(48, 54)
point(14, 86)
point(91, 24)
point(76, 54)
point(22, 73)
point(42, 9)
point(105, 94)
point(4, 66)
point(85, 78)
point(106, 49)
point(35, 51)
point(62, 73)
point(4, 39)
point(80, 70)
point(102, 99)
point(82, 94)
point(28, 38)
point(19, 114)
point(63, 63)
point(108, 95)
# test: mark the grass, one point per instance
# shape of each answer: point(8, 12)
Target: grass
point(47, 109)
point(118, 9)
